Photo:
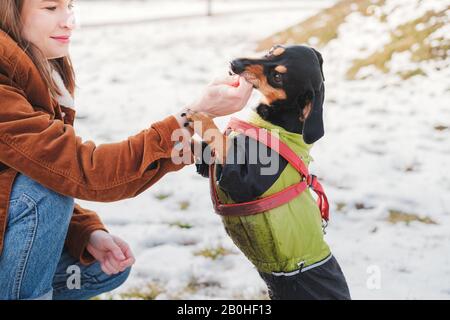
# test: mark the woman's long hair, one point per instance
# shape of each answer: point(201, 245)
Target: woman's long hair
point(10, 22)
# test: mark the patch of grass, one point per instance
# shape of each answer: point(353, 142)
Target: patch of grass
point(103, 296)
point(396, 216)
point(322, 27)
point(411, 36)
point(184, 205)
point(148, 292)
point(340, 206)
point(362, 206)
point(214, 253)
point(181, 225)
point(440, 127)
point(195, 284)
point(262, 295)
point(163, 196)
point(405, 75)
point(410, 168)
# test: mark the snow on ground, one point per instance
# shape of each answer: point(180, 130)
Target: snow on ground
point(381, 150)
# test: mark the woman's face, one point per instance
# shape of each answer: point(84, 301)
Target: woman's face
point(48, 24)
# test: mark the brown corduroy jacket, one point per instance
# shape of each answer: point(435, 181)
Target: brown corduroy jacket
point(38, 142)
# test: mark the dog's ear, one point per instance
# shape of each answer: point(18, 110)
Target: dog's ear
point(319, 57)
point(313, 128)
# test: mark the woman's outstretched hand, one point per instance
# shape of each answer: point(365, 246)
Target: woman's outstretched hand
point(224, 96)
point(113, 253)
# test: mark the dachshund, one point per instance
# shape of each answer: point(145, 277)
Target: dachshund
point(291, 81)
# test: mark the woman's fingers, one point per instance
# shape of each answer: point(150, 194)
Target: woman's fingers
point(228, 80)
point(126, 264)
point(113, 262)
point(112, 246)
point(129, 254)
point(126, 250)
point(119, 265)
point(242, 90)
point(225, 95)
point(106, 268)
point(244, 87)
point(110, 266)
point(113, 266)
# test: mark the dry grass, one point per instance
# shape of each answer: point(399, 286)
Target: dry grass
point(147, 292)
point(411, 73)
point(441, 127)
point(341, 206)
point(413, 36)
point(409, 37)
point(396, 216)
point(184, 205)
point(162, 196)
point(214, 253)
point(181, 225)
point(262, 295)
point(195, 284)
point(322, 27)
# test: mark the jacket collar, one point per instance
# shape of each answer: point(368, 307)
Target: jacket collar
point(18, 67)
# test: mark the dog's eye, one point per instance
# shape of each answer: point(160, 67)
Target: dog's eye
point(278, 78)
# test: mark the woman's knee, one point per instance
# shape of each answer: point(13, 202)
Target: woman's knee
point(111, 282)
point(38, 219)
point(59, 207)
point(123, 276)
point(93, 282)
point(105, 283)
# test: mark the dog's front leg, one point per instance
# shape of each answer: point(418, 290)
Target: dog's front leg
point(204, 126)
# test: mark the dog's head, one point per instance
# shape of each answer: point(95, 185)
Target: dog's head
point(290, 78)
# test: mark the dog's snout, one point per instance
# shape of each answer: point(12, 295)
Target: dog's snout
point(238, 65)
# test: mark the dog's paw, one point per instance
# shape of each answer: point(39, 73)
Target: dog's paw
point(203, 158)
point(203, 169)
point(206, 121)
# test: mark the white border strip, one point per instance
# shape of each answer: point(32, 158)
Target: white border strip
point(288, 274)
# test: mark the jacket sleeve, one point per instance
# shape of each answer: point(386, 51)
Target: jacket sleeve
point(82, 224)
point(48, 151)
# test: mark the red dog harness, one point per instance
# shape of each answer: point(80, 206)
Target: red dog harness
point(279, 198)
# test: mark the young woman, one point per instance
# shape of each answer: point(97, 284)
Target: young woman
point(47, 240)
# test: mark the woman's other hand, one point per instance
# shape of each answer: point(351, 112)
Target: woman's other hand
point(113, 253)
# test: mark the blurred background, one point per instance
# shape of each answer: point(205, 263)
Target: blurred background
point(383, 160)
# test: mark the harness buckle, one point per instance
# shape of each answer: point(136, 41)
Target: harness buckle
point(300, 265)
point(324, 226)
point(310, 180)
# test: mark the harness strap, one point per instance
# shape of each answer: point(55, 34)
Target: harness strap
point(277, 199)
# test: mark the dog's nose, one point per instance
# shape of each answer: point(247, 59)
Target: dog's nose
point(238, 65)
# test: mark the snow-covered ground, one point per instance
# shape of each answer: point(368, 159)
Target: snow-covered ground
point(381, 150)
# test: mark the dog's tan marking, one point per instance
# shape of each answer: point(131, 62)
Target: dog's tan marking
point(306, 111)
point(254, 74)
point(278, 51)
point(281, 69)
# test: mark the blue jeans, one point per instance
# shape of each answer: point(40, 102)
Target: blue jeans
point(34, 263)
